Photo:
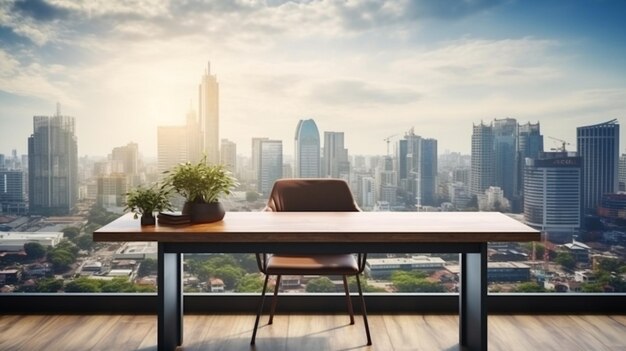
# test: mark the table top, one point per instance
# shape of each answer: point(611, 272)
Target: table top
point(329, 227)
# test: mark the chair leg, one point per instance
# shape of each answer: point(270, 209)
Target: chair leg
point(348, 299)
point(367, 326)
point(258, 313)
point(274, 300)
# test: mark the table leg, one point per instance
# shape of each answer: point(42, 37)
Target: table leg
point(473, 300)
point(170, 326)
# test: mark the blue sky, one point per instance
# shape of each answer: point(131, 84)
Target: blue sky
point(370, 68)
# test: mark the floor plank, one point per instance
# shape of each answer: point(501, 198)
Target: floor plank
point(311, 332)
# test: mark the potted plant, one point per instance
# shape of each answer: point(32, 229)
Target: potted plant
point(201, 185)
point(145, 201)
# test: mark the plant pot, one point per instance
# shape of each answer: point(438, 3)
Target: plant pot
point(204, 212)
point(148, 219)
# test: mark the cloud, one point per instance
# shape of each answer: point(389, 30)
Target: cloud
point(39, 10)
point(354, 92)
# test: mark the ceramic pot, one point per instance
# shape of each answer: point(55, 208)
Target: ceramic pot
point(148, 219)
point(204, 212)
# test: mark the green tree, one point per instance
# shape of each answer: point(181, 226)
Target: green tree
point(414, 282)
point(34, 251)
point(364, 286)
point(609, 265)
point(250, 283)
point(61, 259)
point(229, 274)
point(49, 285)
point(120, 284)
point(147, 267)
point(83, 285)
point(321, 284)
point(566, 260)
point(85, 242)
point(529, 287)
point(591, 287)
point(71, 232)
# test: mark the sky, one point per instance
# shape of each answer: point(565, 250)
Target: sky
point(371, 68)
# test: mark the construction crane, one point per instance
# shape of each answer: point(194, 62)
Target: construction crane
point(388, 140)
point(563, 144)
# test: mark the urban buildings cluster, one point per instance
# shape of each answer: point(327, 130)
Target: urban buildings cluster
point(565, 194)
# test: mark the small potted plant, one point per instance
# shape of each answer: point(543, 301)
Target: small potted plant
point(201, 185)
point(145, 201)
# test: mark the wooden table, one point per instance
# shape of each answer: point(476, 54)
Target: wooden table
point(330, 232)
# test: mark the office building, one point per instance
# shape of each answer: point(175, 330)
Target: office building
point(228, 155)
point(552, 194)
point(128, 157)
point(598, 146)
point(482, 169)
point(428, 172)
point(417, 165)
point(622, 173)
point(255, 157)
point(53, 165)
point(270, 165)
point(194, 138)
point(208, 99)
point(307, 150)
point(111, 190)
point(170, 150)
point(336, 164)
point(612, 207)
point(12, 193)
point(505, 155)
point(529, 145)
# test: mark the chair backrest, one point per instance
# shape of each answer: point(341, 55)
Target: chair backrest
point(300, 195)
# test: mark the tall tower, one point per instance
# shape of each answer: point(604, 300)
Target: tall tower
point(270, 165)
point(307, 150)
point(53, 165)
point(170, 150)
point(208, 101)
point(505, 153)
point(228, 156)
point(336, 164)
point(418, 160)
point(552, 194)
point(598, 145)
point(482, 168)
point(529, 145)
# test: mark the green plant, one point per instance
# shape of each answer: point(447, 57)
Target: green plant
point(143, 200)
point(200, 182)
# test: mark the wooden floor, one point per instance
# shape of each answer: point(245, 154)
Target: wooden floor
point(311, 332)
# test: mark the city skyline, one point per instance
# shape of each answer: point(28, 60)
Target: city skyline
point(371, 69)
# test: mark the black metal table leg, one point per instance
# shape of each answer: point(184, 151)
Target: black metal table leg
point(170, 327)
point(473, 300)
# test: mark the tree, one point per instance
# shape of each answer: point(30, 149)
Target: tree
point(529, 287)
point(566, 260)
point(250, 283)
point(229, 274)
point(365, 287)
point(85, 242)
point(147, 267)
point(34, 251)
point(71, 232)
point(83, 285)
point(61, 259)
point(49, 285)
point(414, 282)
point(321, 284)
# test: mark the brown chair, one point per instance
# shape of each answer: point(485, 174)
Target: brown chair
point(305, 195)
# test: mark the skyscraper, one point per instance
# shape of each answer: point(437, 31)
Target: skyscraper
point(53, 165)
point(622, 173)
point(529, 145)
point(208, 100)
point(598, 145)
point(128, 156)
point(228, 152)
point(420, 163)
point(170, 150)
point(307, 150)
point(428, 172)
point(505, 154)
point(12, 199)
point(256, 157)
point(270, 165)
point(552, 200)
point(482, 173)
point(336, 164)
point(194, 138)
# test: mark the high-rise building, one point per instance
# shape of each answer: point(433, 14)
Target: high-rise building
point(12, 192)
point(208, 100)
point(417, 158)
point(622, 173)
point(228, 158)
point(428, 172)
point(482, 174)
point(387, 182)
point(336, 164)
point(598, 146)
point(307, 150)
point(552, 194)
point(529, 145)
point(170, 150)
point(505, 154)
point(53, 165)
point(111, 190)
point(128, 156)
point(270, 165)
point(194, 138)
point(256, 156)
